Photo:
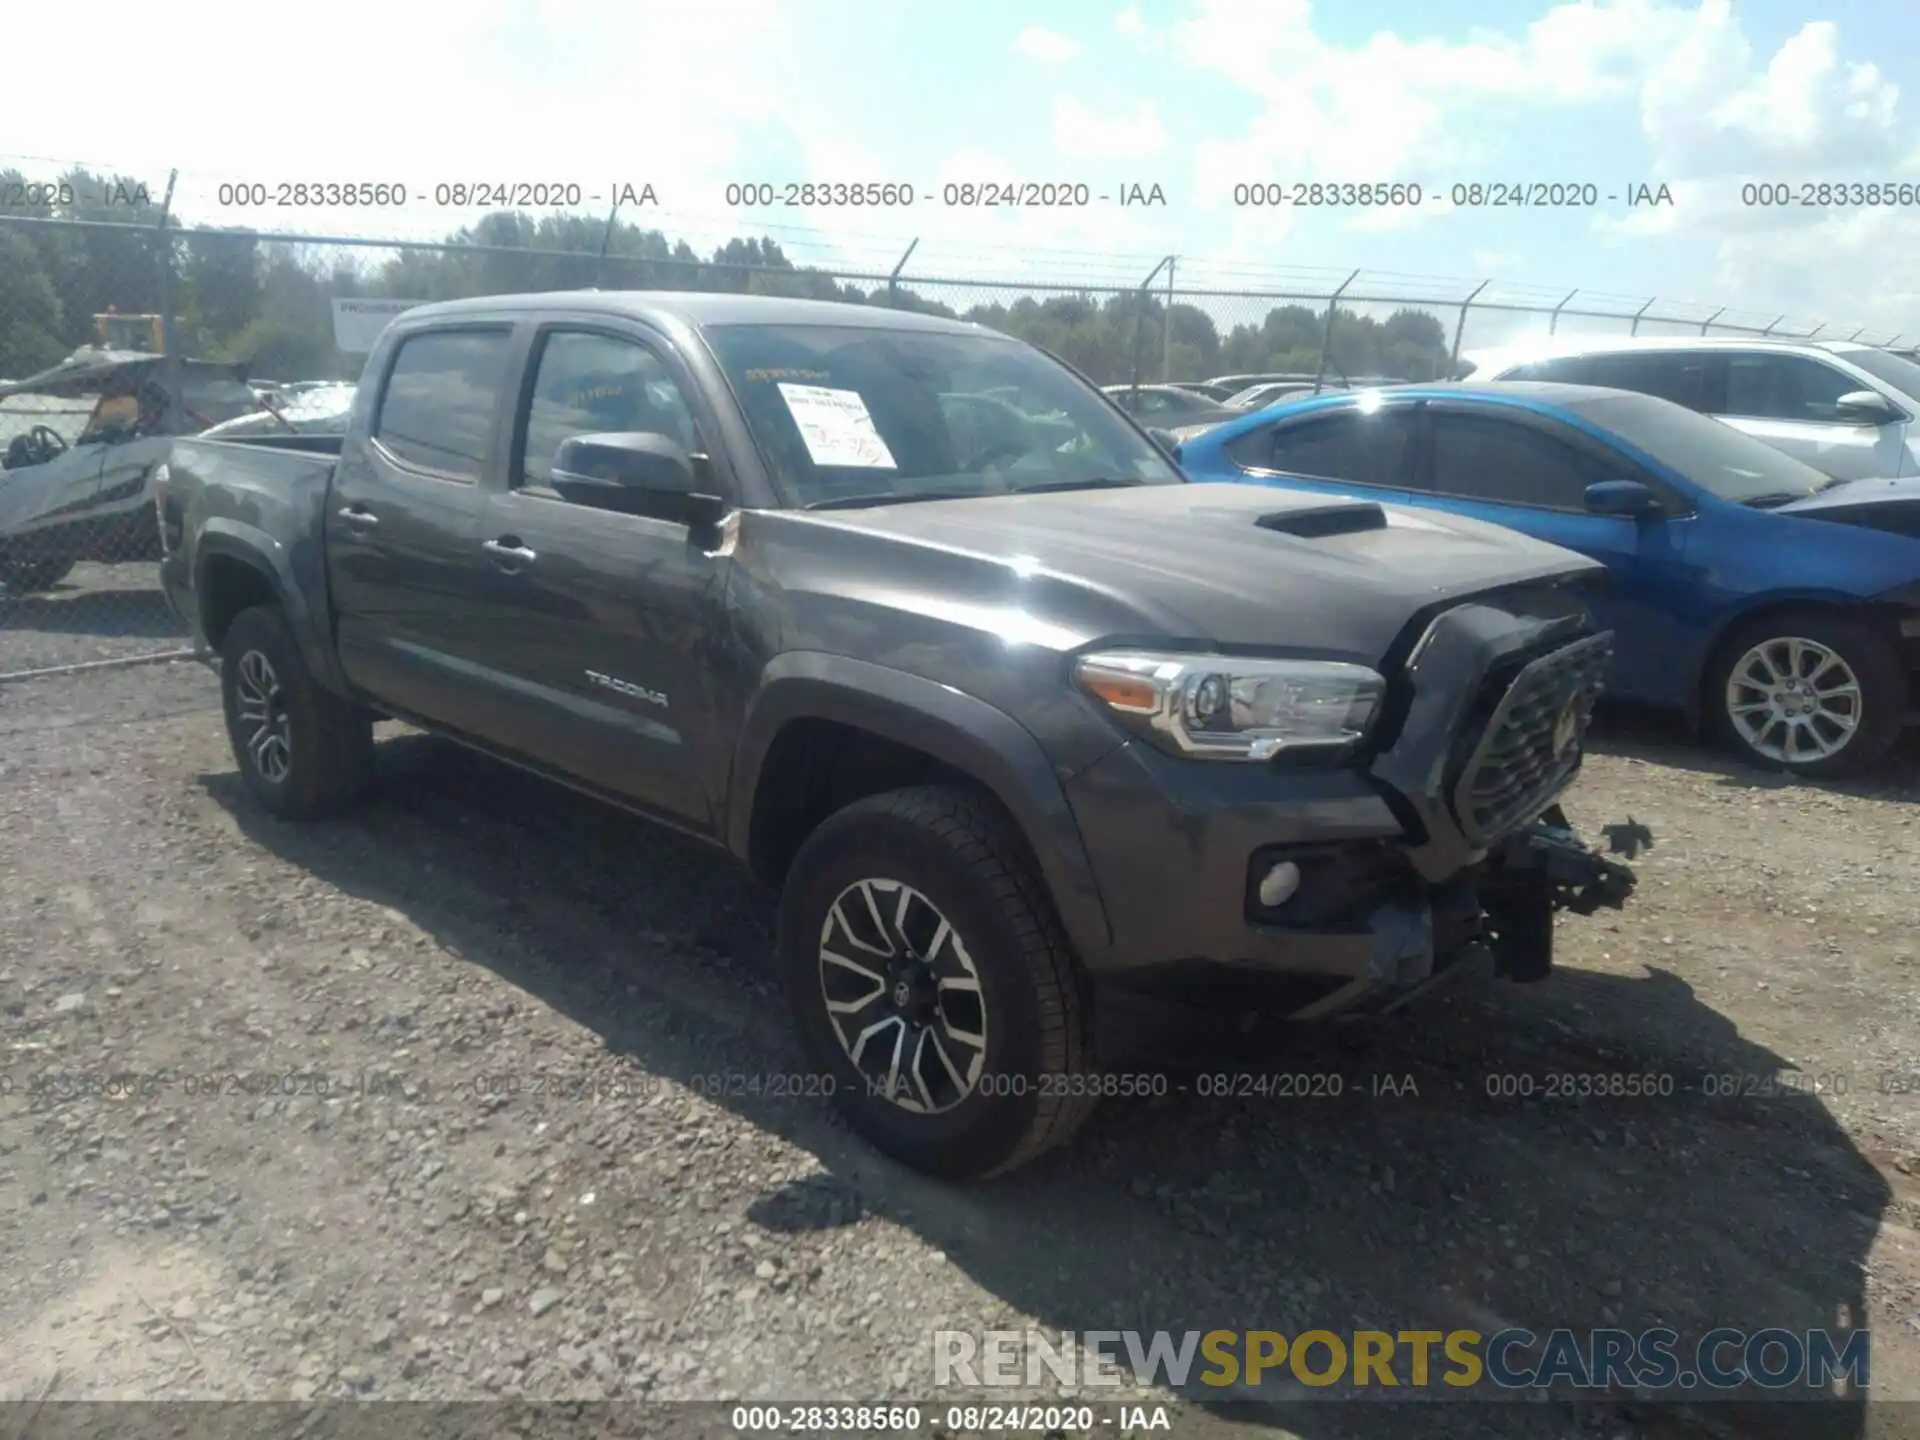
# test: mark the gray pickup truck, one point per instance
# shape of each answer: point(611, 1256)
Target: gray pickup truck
point(1024, 727)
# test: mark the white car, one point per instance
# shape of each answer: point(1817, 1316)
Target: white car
point(1850, 410)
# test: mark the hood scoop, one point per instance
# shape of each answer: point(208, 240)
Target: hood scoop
point(1316, 522)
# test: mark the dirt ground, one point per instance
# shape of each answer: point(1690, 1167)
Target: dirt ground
point(396, 1215)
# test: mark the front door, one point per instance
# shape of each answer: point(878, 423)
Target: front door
point(601, 626)
point(1792, 403)
point(1525, 474)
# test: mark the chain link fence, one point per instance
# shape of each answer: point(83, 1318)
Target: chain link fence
point(118, 335)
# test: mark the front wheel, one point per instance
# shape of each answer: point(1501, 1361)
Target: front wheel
point(1820, 695)
point(302, 751)
point(930, 980)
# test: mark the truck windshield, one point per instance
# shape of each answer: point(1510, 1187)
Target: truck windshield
point(847, 413)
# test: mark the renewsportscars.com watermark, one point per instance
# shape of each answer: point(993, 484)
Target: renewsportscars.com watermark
point(1821, 1361)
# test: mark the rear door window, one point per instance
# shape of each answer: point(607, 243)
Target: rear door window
point(442, 394)
point(1365, 449)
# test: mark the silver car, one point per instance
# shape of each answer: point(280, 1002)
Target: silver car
point(1850, 410)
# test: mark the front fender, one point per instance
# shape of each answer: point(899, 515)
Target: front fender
point(222, 535)
point(956, 729)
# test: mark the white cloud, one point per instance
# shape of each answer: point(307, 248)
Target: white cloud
point(518, 90)
point(1130, 24)
point(1080, 134)
point(1712, 115)
point(1050, 47)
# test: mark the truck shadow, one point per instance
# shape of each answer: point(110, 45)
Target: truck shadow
point(1429, 1181)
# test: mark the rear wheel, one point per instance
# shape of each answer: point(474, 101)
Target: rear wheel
point(929, 978)
point(1822, 695)
point(302, 751)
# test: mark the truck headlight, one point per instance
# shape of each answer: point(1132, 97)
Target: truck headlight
point(1224, 707)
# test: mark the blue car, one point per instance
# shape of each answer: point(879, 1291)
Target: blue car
point(1773, 605)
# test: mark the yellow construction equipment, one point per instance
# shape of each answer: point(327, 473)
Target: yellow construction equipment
point(129, 332)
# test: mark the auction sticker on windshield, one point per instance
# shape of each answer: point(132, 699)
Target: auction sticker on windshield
point(837, 428)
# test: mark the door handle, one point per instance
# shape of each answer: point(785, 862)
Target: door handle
point(509, 551)
point(359, 517)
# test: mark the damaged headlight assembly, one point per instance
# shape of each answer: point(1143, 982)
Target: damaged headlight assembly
point(1226, 707)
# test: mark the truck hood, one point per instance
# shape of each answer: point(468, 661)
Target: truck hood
point(1207, 563)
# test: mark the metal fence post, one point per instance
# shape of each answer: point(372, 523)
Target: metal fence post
point(1140, 323)
point(606, 239)
point(1460, 326)
point(1166, 328)
point(1553, 321)
point(1634, 329)
point(1707, 323)
point(169, 334)
point(893, 280)
point(1769, 330)
point(1326, 335)
point(1815, 331)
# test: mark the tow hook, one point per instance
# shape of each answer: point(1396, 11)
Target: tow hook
point(1579, 878)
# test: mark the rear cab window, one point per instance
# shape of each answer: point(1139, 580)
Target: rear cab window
point(442, 394)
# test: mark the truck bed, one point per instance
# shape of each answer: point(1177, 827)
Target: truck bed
point(263, 494)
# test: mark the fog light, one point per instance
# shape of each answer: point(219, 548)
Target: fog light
point(1278, 884)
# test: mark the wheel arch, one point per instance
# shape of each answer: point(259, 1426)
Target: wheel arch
point(234, 562)
point(957, 736)
point(1763, 607)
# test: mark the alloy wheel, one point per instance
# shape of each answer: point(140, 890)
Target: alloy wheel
point(262, 714)
point(1794, 700)
point(903, 996)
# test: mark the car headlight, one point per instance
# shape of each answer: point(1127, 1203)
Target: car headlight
point(1223, 707)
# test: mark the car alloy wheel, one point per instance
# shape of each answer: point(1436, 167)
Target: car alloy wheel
point(903, 996)
point(262, 715)
point(1794, 700)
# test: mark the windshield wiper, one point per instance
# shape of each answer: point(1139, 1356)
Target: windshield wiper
point(889, 497)
point(1776, 497)
point(1097, 483)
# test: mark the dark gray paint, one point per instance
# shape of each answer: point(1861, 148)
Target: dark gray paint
point(948, 626)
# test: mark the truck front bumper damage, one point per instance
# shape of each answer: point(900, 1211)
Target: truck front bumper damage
point(1495, 920)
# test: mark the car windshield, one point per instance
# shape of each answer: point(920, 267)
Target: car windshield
point(1710, 453)
point(849, 414)
point(1896, 370)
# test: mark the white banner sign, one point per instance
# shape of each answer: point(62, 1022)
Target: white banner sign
point(358, 323)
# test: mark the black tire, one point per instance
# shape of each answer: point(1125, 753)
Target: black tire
point(325, 760)
point(960, 854)
point(1882, 682)
point(24, 577)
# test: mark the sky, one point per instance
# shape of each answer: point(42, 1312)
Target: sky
point(1196, 97)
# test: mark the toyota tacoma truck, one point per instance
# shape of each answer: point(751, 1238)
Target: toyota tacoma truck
point(1023, 726)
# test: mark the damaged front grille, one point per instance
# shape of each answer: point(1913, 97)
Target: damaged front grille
point(1530, 746)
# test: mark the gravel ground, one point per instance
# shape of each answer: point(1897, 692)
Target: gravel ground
point(520, 1180)
point(98, 612)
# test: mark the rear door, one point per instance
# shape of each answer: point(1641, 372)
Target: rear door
point(1791, 402)
point(1529, 472)
point(403, 557)
point(601, 626)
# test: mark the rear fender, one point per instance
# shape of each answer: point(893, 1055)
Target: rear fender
point(222, 535)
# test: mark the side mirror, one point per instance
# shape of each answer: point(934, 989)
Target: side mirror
point(1627, 498)
point(1866, 407)
point(635, 473)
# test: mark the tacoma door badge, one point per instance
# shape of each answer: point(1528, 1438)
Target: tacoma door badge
point(629, 689)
